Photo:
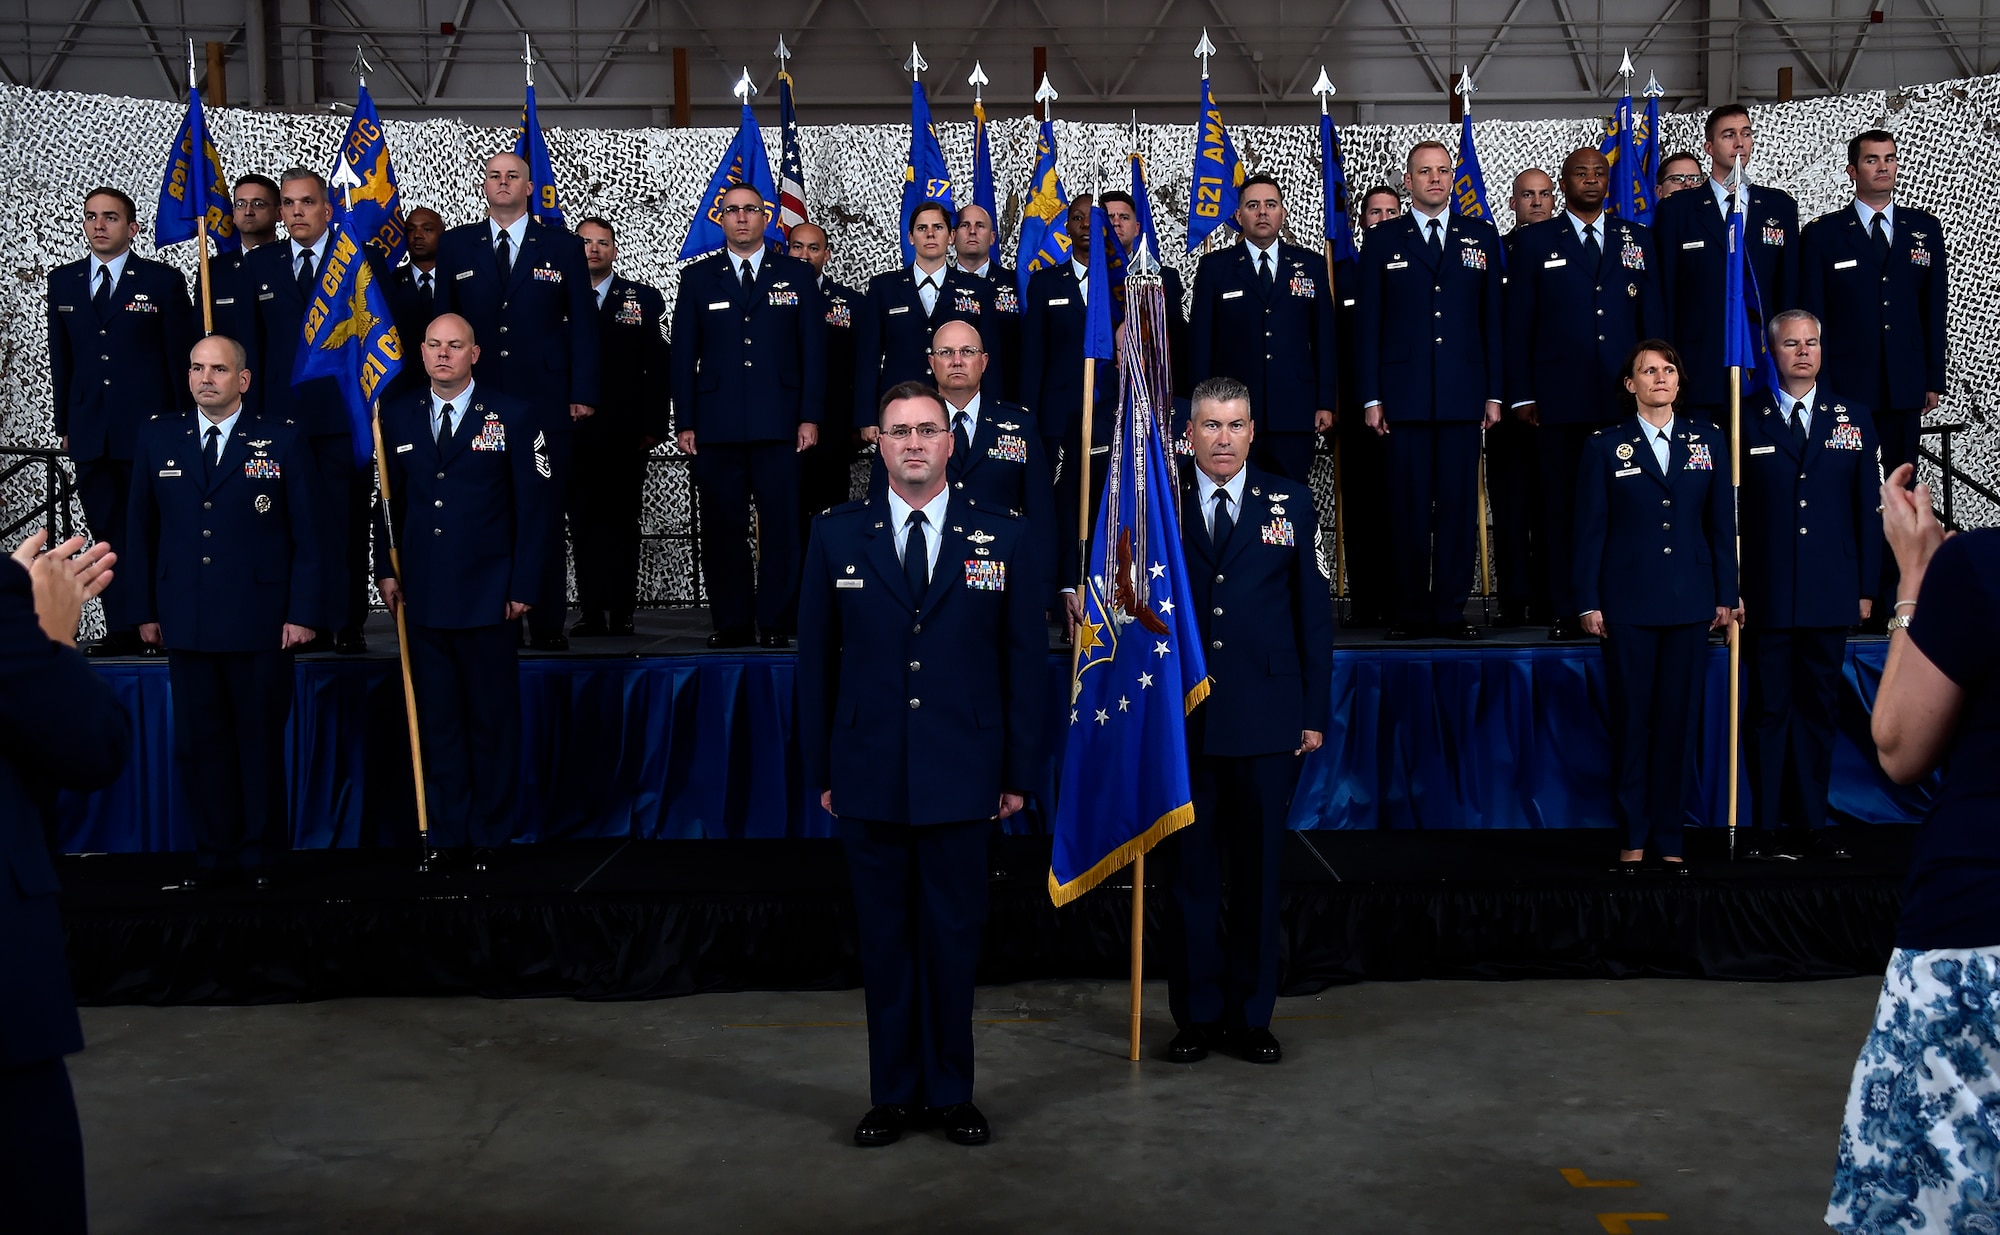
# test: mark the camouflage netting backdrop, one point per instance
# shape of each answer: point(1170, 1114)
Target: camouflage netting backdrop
point(55, 146)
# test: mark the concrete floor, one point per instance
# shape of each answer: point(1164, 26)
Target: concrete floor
point(1429, 1107)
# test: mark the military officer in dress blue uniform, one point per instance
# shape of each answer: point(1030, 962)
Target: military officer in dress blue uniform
point(278, 279)
point(829, 465)
point(1691, 232)
point(65, 730)
point(1811, 546)
point(1263, 314)
point(1123, 215)
point(525, 289)
point(1364, 463)
point(997, 462)
point(1429, 354)
point(223, 560)
point(1513, 483)
point(922, 666)
point(892, 342)
point(611, 446)
point(749, 385)
point(254, 210)
point(1655, 572)
point(1581, 292)
point(1267, 621)
point(469, 482)
point(119, 330)
point(414, 293)
point(1875, 274)
point(972, 244)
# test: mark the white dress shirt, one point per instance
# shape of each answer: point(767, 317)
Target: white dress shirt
point(116, 266)
point(1206, 490)
point(929, 295)
point(736, 261)
point(971, 413)
point(1082, 273)
point(603, 288)
point(517, 231)
point(318, 250)
point(1258, 254)
point(227, 425)
point(1868, 214)
point(1660, 439)
point(460, 404)
point(1424, 220)
point(899, 520)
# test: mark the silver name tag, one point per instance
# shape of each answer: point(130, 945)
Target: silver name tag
point(901, 308)
point(171, 472)
point(1846, 264)
point(463, 274)
point(1056, 300)
point(1695, 244)
point(406, 447)
point(847, 583)
point(718, 304)
point(1560, 261)
point(1626, 471)
point(1395, 265)
point(1232, 295)
point(1763, 450)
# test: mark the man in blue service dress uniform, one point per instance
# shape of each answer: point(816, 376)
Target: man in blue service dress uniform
point(1691, 232)
point(1582, 290)
point(1655, 572)
point(892, 341)
point(223, 561)
point(470, 488)
point(524, 288)
point(749, 382)
point(923, 663)
point(278, 280)
point(119, 330)
point(1874, 273)
point(828, 467)
point(1263, 314)
point(1431, 380)
point(972, 244)
point(1267, 622)
point(611, 446)
point(1811, 543)
point(64, 730)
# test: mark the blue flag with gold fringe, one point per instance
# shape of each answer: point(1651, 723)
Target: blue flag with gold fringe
point(348, 335)
point(1139, 671)
point(545, 205)
point(1218, 173)
point(374, 199)
point(194, 185)
point(745, 162)
point(1044, 238)
point(926, 177)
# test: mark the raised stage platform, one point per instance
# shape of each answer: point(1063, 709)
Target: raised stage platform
point(642, 919)
point(657, 738)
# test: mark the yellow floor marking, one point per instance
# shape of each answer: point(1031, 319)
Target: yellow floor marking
point(1577, 1179)
point(1620, 1224)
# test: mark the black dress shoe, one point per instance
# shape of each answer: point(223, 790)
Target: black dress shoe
point(591, 627)
point(557, 642)
point(1402, 630)
point(1626, 869)
point(771, 639)
point(193, 883)
point(964, 1125)
point(1825, 845)
point(737, 637)
point(1462, 630)
point(1565, 629)
point(1190, 1045)
point(1674, 870)
point(1257, 1045)
point(485, 859)
point(436, 862)
point(350, 643)
point(260, 882)
point(882, 1125)
point(620, 626)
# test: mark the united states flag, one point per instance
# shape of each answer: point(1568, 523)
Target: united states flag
point(791, 172)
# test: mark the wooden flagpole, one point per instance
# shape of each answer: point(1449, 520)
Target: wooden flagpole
point(402, 631)
point(1485, 536)
point(201, 247)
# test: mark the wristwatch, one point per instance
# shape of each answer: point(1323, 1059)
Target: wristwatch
point(1900, 622)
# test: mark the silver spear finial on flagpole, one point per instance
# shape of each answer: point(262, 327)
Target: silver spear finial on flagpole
point(1324, 89)
point(978, 82)
point(1202, 51)
point(916, 64)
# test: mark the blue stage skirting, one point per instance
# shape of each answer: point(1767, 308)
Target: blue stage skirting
point(694, 747)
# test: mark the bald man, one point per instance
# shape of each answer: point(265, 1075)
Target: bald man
point(972, 245)
point(525, 288)
point(470, 492)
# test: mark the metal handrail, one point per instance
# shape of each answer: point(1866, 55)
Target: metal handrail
point(55, 509)
point(1952, 475)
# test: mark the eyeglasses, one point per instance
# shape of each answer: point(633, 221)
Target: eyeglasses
point(901, 433)
point(727, 211)
point(963, 353)
point(1687, 180)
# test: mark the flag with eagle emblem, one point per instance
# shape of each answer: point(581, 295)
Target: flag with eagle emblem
point(348, 335)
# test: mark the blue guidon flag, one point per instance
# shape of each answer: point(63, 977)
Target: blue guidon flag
point(1043, 240)
point(374, 200)
point(926, 177)
point(194, 188)
point(745, 162)
point(1218, 173)
point(348, 334)
point(1139, 663)
point(546, 206)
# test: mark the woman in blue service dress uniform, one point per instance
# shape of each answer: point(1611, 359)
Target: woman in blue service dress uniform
point(1655, 572)
point(1918, 1147)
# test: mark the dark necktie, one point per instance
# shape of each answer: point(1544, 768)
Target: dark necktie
point(211, 450)
point(444, 425)
point(1437, 239)
point(1880, 236)
point(917, 558)
point(102, 298)
point(503, 257)
point(1224, 525)
point(1264, 269)
point(1799, 426)
point(961, 441)
point(424, 282)
point(1592, 251)
point(1728, 204)
point(1666, 452)
point(306, 275)
point(749, 280)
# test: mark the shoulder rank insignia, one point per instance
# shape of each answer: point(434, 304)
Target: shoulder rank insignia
point(982, 537)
